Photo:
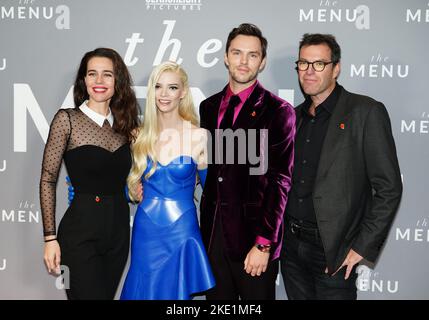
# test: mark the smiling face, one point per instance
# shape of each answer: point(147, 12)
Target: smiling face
point(169, 90)
point(100, 80)
point(244, 60)
point(318, 85)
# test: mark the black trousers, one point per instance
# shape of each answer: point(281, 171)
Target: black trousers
point(94, 240)
point(232, 281)
point(303, 266)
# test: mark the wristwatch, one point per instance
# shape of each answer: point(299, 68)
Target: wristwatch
point(263, 247)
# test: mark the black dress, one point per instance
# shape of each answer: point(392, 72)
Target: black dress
point(94, 232)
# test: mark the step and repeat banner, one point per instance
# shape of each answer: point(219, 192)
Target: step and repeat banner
point(385, 55)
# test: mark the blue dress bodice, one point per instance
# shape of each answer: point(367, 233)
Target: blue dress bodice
point(168, 258)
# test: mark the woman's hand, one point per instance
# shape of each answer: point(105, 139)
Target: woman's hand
point(52, 256)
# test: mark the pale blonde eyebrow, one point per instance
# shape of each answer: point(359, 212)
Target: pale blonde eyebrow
point(168, 84)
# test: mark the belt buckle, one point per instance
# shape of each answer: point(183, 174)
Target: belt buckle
point(294, 228)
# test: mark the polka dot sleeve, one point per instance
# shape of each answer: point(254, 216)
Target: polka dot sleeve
point(55, 147)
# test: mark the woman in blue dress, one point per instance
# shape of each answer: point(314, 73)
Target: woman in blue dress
point(168, 258)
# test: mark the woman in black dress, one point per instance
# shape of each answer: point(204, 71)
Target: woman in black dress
point(93, 139)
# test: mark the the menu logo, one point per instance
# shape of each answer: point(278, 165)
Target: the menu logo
point(332, 12)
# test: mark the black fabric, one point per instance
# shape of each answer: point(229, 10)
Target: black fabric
point(308, 147)
point(97, 159)
point(228, 117)
point(358, 185)
point(232, 281)
point(303, 265)
point(94, 232)
point(94, 240)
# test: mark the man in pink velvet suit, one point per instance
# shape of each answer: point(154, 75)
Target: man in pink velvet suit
point(243, 202)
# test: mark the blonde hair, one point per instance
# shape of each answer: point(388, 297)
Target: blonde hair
point(143, 147)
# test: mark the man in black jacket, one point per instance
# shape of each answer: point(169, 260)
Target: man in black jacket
point(242, 212)
point(346, 184)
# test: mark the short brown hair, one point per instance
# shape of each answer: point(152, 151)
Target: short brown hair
point(248, 29)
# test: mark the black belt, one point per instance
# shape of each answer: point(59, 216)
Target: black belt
point(300, 229)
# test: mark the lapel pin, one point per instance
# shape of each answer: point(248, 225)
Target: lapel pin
point(253, 113)
point(342, 126)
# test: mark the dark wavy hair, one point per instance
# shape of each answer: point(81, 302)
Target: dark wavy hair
point(247, 29)
point(123, 104)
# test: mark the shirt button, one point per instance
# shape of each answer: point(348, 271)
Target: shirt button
point(220, 179)
point(307, 140)
point(300, 200)
point(313, 121)
point(302, 181)
point(304, 161)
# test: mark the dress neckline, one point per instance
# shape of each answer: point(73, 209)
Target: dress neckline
point(179, 160)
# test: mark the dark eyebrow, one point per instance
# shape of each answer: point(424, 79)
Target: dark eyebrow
point(96, 70)
point(250, 52)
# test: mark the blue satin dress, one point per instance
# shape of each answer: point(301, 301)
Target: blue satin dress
point(168, 258)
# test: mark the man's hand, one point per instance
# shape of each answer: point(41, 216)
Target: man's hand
point(256, 262)
point(139, 192)
point(352, 258)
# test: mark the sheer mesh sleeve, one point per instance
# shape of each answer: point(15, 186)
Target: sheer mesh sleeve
point(52, 158)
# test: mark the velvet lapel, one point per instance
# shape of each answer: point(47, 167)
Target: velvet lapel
point(213, 109)
point(251, 109)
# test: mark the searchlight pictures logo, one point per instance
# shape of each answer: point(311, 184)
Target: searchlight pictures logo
point(176, 5)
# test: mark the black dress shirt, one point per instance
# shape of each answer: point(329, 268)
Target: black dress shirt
point(311, 132)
